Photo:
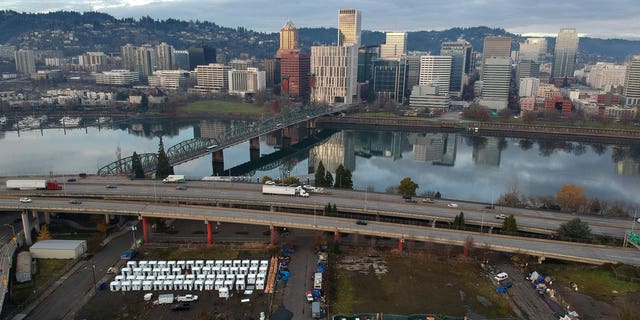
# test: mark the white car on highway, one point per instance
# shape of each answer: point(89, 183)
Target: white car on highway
point(25, 200)
point(452, 205)
point(501, 276)
point(187, 298)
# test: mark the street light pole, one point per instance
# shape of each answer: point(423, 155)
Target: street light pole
point(133, 231)
point(93, 270)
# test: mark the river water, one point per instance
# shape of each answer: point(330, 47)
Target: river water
point(459, 166)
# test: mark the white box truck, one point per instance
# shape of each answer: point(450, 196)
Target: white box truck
point(317, 280)
point(284, 190)
point(33, 185)
point(174, 178)
point(165, 298)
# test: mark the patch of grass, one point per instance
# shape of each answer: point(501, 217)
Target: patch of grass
point(214, 107)
point(597, 282)
point(414, 285)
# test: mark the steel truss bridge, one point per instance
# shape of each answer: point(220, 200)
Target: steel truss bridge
point(198, 147)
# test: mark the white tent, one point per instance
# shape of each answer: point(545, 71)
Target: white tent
point(115, 286)
point(209, 284)
point(136, 285)
point(251, 279)
point(157, 285)
point(240, 284)
point(188, 284)
point(245, 263)
point(224, 293)
point(218, 284)
point(199, 284)
point(126, 285)
point(147, 285)
point(260, 284)
point(178, 285)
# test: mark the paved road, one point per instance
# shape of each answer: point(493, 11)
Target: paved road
point(302, 267)
point(361, 202)
point(550, 249)
point(69, 297)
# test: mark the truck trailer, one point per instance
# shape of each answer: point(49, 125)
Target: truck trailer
point(174, 178)
point(33, 185)
point(284, 190)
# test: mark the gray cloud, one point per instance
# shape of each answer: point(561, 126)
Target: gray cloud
point(614, 18)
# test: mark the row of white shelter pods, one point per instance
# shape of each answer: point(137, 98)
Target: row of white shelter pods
point(219, 275)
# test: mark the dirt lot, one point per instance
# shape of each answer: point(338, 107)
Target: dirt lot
point(131, 305)
point(413, 284)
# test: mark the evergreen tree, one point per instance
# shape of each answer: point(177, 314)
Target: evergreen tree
point(163, 168)
point(319, 177)
point(144, 103)
point(458, 221)
point(328, 179)
point(334, 209)
point(136, 166)
point(348, 180)
point(509, 225)
point(340, 177)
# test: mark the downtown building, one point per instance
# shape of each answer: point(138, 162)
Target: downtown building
point(164, 57)
point(212, 78)
point(294, 66)
point(349, 27)
point(564, 56)
point(249, 81)
point(605, 75)
point(496, 78)
point(461, 52)
point(632, 82)
point(389, 79)
point(533, 49)
point(395, 46)
point(437, 70)
point(25, 62)
point(169, 79)
point(117, 77)
point(495, 46)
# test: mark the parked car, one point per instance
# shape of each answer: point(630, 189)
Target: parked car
point(75, 201)
point(501, 216)
point(361, 222)
point(309, 296)
point(180, 307)
point(181, 188)
point(187, 298)
point(452, 205)
point(111, 186)
point(501, 276)
point(25, 200)
point(428, 200)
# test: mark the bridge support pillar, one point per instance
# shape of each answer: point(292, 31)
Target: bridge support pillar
point(433, 223)
point(26, 226)
point(400, 244)
point(490, 230)
point(254, 149)
point(336, 236)
point(541, 259)
point(272, 208)
point(36, 221)
point(286, 137)
point(272, 239)
point(47, 218)
point(217, 162)
point(145, 229)
point(107, 219)
point(209, 232)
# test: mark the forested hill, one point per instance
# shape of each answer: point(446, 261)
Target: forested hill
point(75, 32)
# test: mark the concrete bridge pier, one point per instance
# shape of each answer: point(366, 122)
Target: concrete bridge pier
point(145, 229)
point(336, 236)
point(433, 223)
point(254, 149)
point(272, 236)
point(107, 219)
point(286, 137)
point(26, 226)
point(47, 218)
point(217, 162)
point(400, 244)
point(36, 221)
point(209, 232)
point(541, 259)
point(490, 230)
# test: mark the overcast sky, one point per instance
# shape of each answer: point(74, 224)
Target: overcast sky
point(595, 18)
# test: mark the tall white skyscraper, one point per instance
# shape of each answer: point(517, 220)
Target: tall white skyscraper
point(461, 52)
point(25, 61)
point(604, 75)
point(164, 56)
point(436, 70)
point(632, 82)
point(395, 45)
point(533, 49)
point(349, 27)
point(128, 56)
point(564, 57)
point(334, 70)
point(529, 87)
point(496, 76)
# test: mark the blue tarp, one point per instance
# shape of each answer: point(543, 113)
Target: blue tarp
point(320, 268)
point(501, 289)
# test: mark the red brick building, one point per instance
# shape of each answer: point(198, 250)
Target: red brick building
point(295, 68)
point(562, 105)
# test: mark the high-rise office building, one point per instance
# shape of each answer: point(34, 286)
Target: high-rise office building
point(395, 45)
point(460, 52)
point(144, 61)
point(389, 79)
point(249, 81)
point(632, 82)
point(496, 76)
point(272, 72)
point(164, 56)
point(527, 69)
point(128, 56)
point(528, 87)
point(413, 65)
point(349, 27)
point(295, 68)
point(604, 75)
point(334, 70)
point(288, 38)
point(181, 59)
point(25, 61)
point(533, 49)
point(564, 56)
point(496, 46)
point(437, 70)
point(213, 77)
point(201, 56)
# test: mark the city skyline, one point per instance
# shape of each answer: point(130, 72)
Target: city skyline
point(613, 19)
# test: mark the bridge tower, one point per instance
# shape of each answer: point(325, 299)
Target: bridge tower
point(254, 149)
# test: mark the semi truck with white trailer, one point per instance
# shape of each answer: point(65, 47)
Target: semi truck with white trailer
point(33, 185)
point(179, 178)
point(284, 190)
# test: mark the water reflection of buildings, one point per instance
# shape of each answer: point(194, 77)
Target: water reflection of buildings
point(337, 150)
point(437, 148)
point(628, 167)
point(487, 153)
point(379, 144)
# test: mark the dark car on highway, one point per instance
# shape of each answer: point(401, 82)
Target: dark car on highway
point(361, 222)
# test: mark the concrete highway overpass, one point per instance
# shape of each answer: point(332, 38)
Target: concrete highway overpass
point(576, 252)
